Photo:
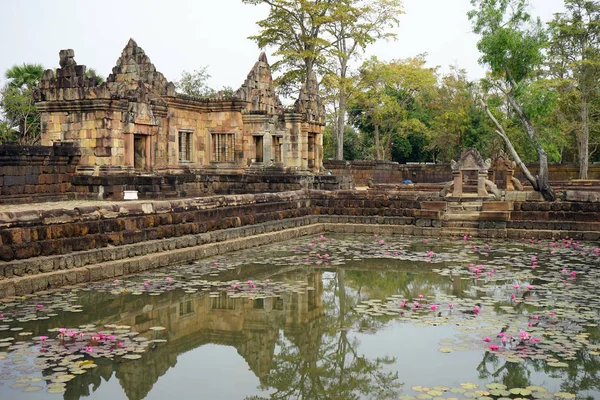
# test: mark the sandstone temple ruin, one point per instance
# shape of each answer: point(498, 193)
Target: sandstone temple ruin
point(136, 121)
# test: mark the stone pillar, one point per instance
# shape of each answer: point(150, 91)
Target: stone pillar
point(149, 158)
point(129, 150)
point(481, 177)
point(458, 183)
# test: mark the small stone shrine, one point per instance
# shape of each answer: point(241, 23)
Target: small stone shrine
point(470, 163)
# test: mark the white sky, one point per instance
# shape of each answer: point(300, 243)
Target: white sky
point(187, 34)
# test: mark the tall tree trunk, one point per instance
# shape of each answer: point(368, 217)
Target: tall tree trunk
point(584, 136)
point(341, 118)
point(543, 182)
point(341, 125)
point(377, 146)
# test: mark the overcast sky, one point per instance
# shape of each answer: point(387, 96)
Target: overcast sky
point(187, 34)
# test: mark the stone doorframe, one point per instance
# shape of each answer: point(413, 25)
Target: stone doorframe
point(130, 149)
point(470, 160)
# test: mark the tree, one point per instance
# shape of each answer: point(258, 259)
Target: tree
point(21, 122)
point(512, 47)
point(296, 29)
point(195, 83)
point(21, 117)
point(386, 100)
point(457, 121)
point(26, 75)
point(353, 28)
point(575, 51)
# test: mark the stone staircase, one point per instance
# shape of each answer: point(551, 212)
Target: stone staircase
point(462, 215)
point(466, 216)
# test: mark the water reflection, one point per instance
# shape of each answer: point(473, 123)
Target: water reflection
point(308, 343)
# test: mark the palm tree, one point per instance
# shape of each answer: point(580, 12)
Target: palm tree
point(24, 75)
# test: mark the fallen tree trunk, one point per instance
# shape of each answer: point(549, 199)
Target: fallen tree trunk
point(539, 182)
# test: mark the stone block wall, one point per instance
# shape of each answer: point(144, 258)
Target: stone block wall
point(201, 184)
point(44, 249)
point(393, 173)
point(37, 173)
point(55, 232)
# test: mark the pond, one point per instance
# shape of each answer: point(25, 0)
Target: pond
point(326, 317)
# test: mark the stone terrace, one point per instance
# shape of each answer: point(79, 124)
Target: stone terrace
point(49, 245)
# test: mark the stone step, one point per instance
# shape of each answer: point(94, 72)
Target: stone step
point(459, 232)
point(466, 216)
point(454, 209)
point(498, 206)
point(461, 224)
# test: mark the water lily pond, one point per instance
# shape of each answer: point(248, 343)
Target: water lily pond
point(324, 317)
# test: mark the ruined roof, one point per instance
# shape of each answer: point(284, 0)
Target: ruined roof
point(134, 75)
point(309, 103)
point(258, 89)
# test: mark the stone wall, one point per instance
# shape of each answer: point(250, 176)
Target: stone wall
point(46, 248)
point(392, 172)
point(37, 173)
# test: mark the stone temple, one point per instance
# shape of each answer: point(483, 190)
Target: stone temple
point(136, 121)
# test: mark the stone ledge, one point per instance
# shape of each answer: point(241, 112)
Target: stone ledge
point(53, 280)
point(133, 259)
point(79, 259)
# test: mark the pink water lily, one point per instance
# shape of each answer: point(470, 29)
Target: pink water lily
point(450, 305)
point(43, 338)
point(415, 304)
point(494, 347)
point(40, 306)
point(89, 349)
point(116, 281)
point(486, 339)
point(146, 283)
point(121, 344)
point(433, 307)
point(420, 296)
point(268, 281)
point(169, 279)
point(476, 309)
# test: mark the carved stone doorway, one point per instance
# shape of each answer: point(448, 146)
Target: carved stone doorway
point(311, 151)
point(258, 149)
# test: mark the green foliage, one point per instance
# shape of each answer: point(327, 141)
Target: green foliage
point(387, 102)
point(26, 75)
point(295, 29)
point(21, 119)
point(195, 83)
point(511, 42)
point(574, 65)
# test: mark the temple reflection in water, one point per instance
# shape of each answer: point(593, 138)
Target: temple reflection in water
point(251, 326)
